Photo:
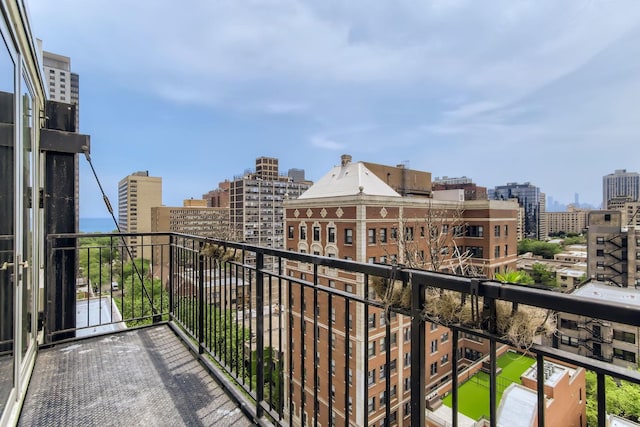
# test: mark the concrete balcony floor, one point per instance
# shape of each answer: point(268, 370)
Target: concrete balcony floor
point(140, 377)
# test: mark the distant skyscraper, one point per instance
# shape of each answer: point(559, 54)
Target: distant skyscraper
point(620, 185)
point(137, 194)
point(529, 198)
point(63, 85)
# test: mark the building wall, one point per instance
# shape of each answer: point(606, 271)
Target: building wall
point(571, 221)
point(613, 249)
point(137, 194)
point(620, 184)
point(352, 228)
point(529, 198)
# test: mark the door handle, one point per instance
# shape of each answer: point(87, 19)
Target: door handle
point(6, 265)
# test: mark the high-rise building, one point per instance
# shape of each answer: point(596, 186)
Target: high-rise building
point(137, 194)
point(255, 202)
point(620, 185)
point(63, 85)
point(529, 198)
point(352, 213)
point(218, 198)
point(573, 220)
point(613, 249)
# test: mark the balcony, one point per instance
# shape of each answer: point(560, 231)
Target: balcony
point(199, 331)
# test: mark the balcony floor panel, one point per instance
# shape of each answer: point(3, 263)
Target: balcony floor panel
point(141, 377)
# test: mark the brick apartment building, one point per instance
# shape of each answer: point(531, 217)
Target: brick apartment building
point(352, 213)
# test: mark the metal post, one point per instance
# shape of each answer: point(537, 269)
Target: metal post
point(170, 284)
point(201, 303)
point(540, 387)
point(454, 378)
point(602, 401)
point(418, 354)
point(259, 334)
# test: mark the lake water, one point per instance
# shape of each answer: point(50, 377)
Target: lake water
point(97, 225)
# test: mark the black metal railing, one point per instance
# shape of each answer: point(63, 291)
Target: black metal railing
point(307, 340)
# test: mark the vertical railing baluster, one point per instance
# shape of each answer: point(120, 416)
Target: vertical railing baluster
point(418, 353)
point(316, 338)
point(454, 377)
point(540, 388)
point(259, 334)
point(602, 401)
point(201, 338)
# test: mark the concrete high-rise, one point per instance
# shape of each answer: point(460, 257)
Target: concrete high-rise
point(620, 185)
point(137, 194)
point(255, 202)
point(63, 85)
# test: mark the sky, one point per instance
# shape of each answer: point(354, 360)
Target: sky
point(536, 91)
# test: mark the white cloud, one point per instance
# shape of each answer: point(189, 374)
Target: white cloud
point(326, 144)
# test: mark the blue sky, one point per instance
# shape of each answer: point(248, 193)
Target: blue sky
point(499, 91)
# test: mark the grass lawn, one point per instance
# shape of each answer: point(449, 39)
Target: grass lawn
point(473, 396)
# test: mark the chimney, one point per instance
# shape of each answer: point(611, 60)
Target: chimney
point(345, 159)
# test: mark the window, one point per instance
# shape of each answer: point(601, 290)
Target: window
point(331, 238)
point(350, 376)
point(433, 368)
point(333, 315)
point(348, 236)
point(348, 288)
point(600, 240)
point(350, 321)
point(629, 356)
point(383, 235)
point(383, 398)
point(407, 359)
point(393, 365)
point(444, 337)
point(607, 217)
point(350, 347)
point(316, 234)
point(629, 337)
point(371, 405)
point(407, 384)
point(407, 334)
point(506, 250)
point(568, 324)
point(394, 233)
point(333, 341)
point(303, 232)
point(371, 236)
point(434, 346)
point(394, 338)
point(599, 252)
point(382, 372)
point(290, 232)
point(475, 231)
point(422, 231)
point(371, 348)
point(496, 252)
point(371, 377)
point(371, 259)
point(475, 251)
point(496, 231)
point(506, 230)
point(570, 341)
point(444, 360)
point(371, 322)
point(408, 234)
point(350, 404)
point(433, 326)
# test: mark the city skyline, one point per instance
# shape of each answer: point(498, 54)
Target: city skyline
point(454, 88)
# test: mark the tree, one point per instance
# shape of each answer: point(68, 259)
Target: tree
point(623, 398)
point(542, 275)
point(544, 249)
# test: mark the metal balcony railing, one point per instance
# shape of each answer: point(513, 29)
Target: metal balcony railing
point(306, 340)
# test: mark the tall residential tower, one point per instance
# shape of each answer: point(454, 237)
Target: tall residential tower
point(137, 194)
